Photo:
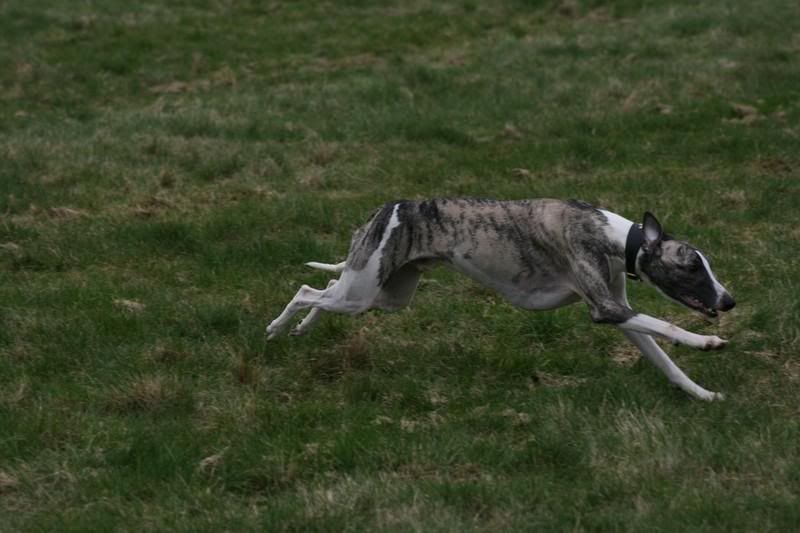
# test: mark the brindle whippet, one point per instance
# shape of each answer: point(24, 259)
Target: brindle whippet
point(540, 254)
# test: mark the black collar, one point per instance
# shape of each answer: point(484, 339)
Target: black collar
point(632, 246)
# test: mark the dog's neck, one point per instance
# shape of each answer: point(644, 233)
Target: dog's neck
point(633, 244)
point(628, 238)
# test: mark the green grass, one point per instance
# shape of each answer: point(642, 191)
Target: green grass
point(167, 167)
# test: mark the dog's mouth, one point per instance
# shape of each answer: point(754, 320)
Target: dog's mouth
point(700, 307)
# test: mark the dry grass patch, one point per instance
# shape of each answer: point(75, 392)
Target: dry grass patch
point(791, 368)
point(414, 498)
point(393, 503)
point(8, 482)
point(311, 176)
point(323, 153)
point(556, 381)
point(163, 353)
point(625, 354)
point(132, 307)
point(152, 206)
point(640, 435)
point(344, 495)
point(773, 165)
point(245, 370)
point(351, 354)
point(356, 61)
point(735, 199)
point(11, 248)
point(208, 465)
point(148, 394)
point(224, 411)
point(223, 77)
point(66, 213)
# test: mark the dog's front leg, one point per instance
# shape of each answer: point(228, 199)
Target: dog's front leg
point(653, 353)
point(652, 326)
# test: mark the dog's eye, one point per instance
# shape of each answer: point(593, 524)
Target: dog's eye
point(691, 263)
point(695, 264)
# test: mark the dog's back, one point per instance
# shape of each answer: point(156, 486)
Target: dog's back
point(512, 246)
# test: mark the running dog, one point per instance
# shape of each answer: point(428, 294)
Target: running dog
point(539, 254)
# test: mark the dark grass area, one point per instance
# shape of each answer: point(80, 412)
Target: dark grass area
point(166, 169)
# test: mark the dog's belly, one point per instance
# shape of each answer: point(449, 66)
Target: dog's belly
point(523, 288)
point(541, 299)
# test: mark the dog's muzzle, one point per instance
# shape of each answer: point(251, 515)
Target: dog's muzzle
point(726, 303)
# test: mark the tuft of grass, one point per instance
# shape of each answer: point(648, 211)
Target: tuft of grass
point(149, 394)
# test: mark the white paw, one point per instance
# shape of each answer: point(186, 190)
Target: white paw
point(713, 343)
point(709, 396)
point(273, 330)
point(706, 342)
point(706, 395)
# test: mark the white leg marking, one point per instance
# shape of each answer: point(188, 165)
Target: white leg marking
point(311, 318)
point(657, 357)
point(652, 326)
point(653, 353)
point(353, 293)
point(305, 297)
point(347, 295)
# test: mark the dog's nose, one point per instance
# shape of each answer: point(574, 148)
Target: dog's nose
point(726, 303)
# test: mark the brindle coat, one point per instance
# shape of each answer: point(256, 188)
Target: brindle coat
point(539, 254)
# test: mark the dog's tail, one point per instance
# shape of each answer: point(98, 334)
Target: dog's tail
point(325, 266)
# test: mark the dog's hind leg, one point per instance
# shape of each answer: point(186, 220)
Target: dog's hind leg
point(397, 292)
point(353, 293)
point(360, 283)
point(305, 297)
point(311, 318)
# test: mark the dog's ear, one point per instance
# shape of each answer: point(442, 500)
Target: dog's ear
point(652, 231)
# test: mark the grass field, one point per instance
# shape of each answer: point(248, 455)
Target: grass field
point(167, 167)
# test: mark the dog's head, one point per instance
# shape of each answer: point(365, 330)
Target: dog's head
point(680, 271)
